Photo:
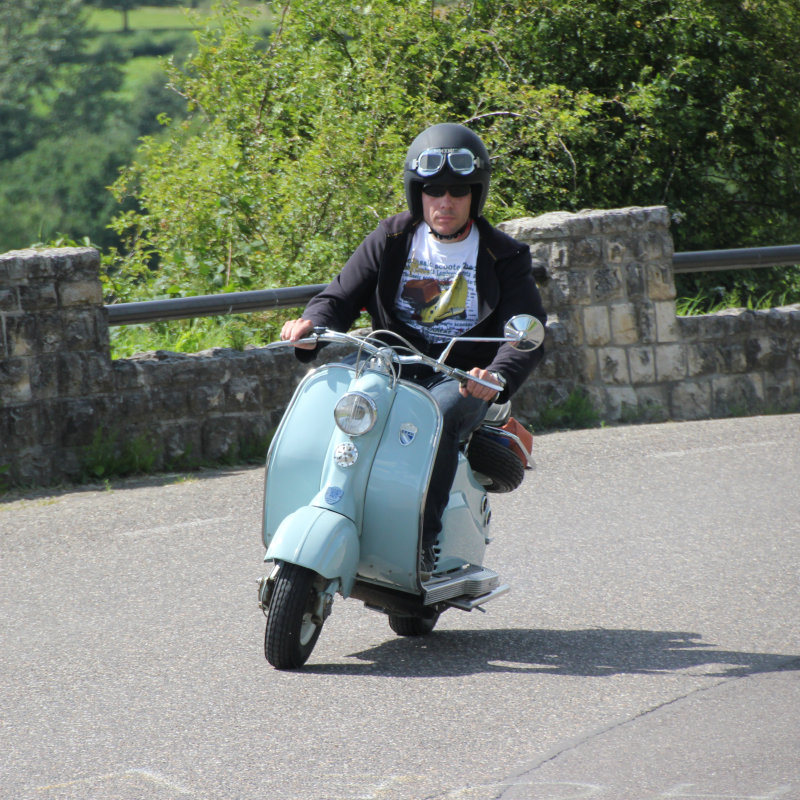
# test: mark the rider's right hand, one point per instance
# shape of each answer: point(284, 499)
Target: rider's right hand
point(294, 329)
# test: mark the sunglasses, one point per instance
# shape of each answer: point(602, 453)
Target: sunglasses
point(454, 190)
point(432, 161)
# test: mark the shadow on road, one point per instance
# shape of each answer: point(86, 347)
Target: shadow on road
point(592, 653)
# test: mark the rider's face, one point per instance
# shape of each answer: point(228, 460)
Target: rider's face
point(446, 214)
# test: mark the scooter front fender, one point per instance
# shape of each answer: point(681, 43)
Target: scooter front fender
point(320, 540)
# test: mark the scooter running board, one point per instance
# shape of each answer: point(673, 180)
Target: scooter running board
point(468, 603)
point(467, 583)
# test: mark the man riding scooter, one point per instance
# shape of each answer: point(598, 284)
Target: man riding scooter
point(431, 273)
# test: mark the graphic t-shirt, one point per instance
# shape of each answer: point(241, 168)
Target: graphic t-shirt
point(437, 294)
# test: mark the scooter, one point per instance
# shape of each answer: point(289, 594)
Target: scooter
point(346, 480)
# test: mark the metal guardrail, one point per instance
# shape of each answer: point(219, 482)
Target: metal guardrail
point(265, 299)
point(210, 305)
point(741, 258)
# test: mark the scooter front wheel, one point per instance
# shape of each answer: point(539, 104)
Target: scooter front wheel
point(293, 625)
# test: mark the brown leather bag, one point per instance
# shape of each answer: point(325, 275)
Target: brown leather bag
point(525, 439)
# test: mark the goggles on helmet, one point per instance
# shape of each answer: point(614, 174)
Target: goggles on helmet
point(432, 161)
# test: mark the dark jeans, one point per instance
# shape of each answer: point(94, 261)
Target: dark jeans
point(460, 416)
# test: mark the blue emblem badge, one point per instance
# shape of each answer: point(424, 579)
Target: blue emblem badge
point(333, 494)
point(408, 432)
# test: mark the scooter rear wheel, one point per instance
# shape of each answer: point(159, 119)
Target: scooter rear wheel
point(412, 626)
point(291, 631)
point(502, 470)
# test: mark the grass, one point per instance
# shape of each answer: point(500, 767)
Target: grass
point(574, 413)
point(156, 18)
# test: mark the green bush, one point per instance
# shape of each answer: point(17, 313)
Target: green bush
point(292, 152)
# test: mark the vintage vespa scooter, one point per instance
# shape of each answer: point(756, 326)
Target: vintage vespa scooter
point(346, 480)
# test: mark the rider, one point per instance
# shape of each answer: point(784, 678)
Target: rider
point(433, 272)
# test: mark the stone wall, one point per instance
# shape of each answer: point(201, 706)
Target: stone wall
point(613, 331)
point(67, 408)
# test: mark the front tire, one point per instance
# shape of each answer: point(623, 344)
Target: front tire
point(292, 630)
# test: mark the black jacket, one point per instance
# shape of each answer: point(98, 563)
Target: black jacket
point(371, 276)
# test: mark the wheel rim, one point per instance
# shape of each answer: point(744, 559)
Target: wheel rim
point(307, 629)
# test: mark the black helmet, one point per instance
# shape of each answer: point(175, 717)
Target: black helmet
point(447, 153)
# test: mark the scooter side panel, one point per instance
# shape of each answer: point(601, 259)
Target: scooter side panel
point(321, 540)
point(465, 524)
point(302, 438)
point(397, 487)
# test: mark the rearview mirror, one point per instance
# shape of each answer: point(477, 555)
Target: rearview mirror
point(524, 332)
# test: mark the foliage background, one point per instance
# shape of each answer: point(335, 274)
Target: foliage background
point(277, 153)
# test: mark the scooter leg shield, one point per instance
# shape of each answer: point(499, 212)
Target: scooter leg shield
point(321, 540)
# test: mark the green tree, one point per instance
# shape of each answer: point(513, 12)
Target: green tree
point(41, 42)
point(291, 151)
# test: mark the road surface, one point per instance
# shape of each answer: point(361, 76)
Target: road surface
point(649, 647)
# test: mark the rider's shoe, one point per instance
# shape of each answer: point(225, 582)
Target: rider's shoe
point(427, 562)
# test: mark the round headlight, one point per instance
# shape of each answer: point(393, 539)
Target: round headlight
point(355, 413)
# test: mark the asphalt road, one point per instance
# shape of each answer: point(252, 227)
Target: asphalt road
point(649, 647)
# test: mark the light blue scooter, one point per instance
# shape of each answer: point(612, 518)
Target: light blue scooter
point(346, 480)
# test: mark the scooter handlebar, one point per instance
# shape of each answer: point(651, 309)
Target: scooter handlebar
point(327, 335)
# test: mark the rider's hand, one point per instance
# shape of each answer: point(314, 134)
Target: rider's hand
point(295, 329)
point(476, 390)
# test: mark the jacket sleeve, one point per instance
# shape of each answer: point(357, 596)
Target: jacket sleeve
point(339, 304)
point(518, 295)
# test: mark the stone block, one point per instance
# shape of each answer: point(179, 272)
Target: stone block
point(670, 362)
point(660, 281)
point(88, 373)
point(624, 328)
point(667, 329)
point(220, 438)
point(690, 399)
point(596, 326)
point(634, 281)
point(9, 300)
point(607, 285)
point(44, 376)
point(37, 297)
point(781, 391)
point(587, 252)
point(613, 363)
point(15, 381)
point(78, 331)
point(243, 394)
point(565, 289)
point(591, 368)
point(702, 358)
point(737, 394)
point(126, 375)
point(20, 266)
point(207, 399)
point(622, 403)
point(642, 365)
point(79, 421)
point(645, 314)
point(182, 443)
point(733, 357)
point(653, 404)
point(50, 332)
point(20, 335)
point(561, 330)
point(616, 250)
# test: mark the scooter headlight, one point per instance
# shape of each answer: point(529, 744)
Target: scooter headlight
point(355, 413)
